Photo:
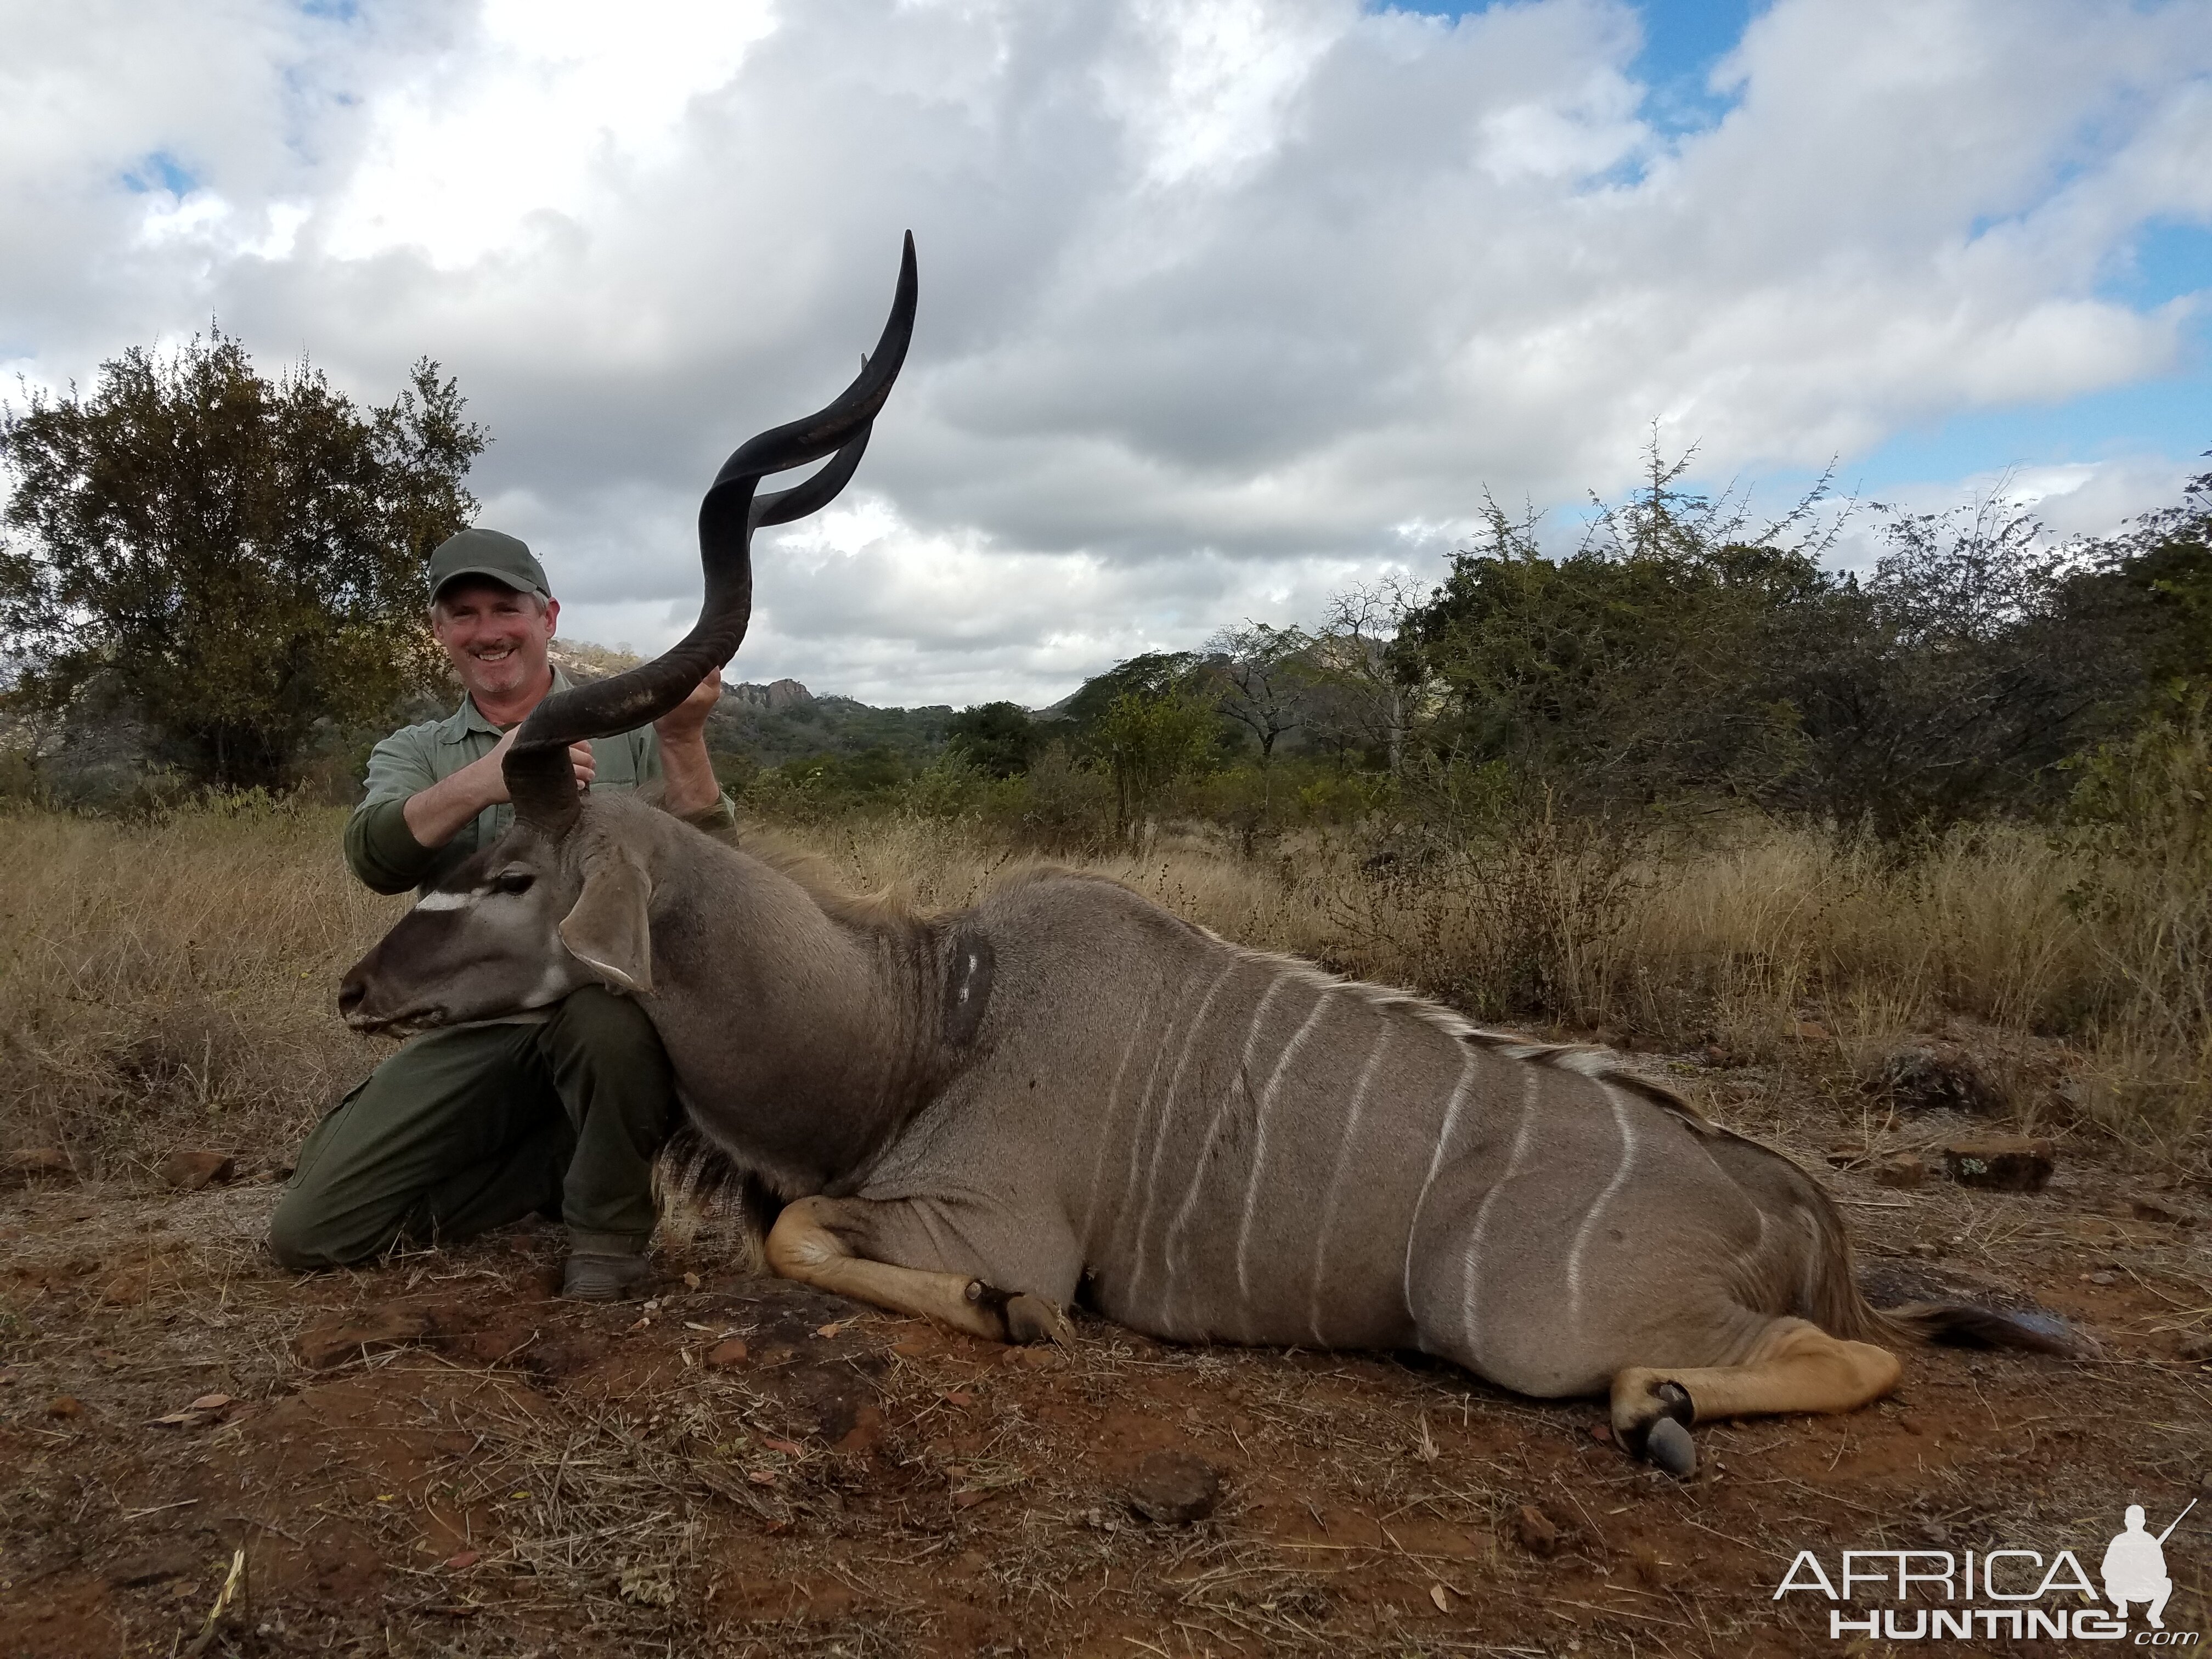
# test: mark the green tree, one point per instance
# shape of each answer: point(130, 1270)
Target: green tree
point(997, 738)
point(1152, 739)
point(235, 557)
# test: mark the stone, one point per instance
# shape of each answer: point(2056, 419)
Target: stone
point(726, 1356)
point(1934, 1076)
point(189, 1171)
point(21, 1169)
point(2002, 1163)
point(1175, 1488)
point(65, 1406)
point(1534, 1531)
point(1904, 1170)
point(2196, 1346)
point(327, 1345)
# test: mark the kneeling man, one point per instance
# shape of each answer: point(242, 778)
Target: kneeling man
point(562, 1114)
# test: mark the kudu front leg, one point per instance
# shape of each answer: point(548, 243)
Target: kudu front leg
point(810, 1243)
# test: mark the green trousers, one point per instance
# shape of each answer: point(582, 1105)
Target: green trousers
point(468, 1129)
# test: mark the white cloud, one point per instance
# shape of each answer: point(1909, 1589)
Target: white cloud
point(1224, 302)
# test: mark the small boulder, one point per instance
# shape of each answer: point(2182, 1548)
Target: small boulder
point(726, 1356)
point(189, 1171)
point(1175, 1488)
point(2000, 1163)
point(65, 1406)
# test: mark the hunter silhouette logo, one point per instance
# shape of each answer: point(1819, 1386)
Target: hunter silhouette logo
point(2134, 1566)
point(2023, 1595)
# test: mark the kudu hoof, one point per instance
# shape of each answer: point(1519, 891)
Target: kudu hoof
point(1026, 1318)
point(1667, 1442)
point(1668, 1445)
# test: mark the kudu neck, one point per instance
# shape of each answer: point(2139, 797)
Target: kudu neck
point(802, 1035)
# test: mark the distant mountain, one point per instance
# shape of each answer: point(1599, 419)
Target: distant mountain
point(783, 721)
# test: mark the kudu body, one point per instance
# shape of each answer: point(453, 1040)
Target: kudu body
point(1066, 1091)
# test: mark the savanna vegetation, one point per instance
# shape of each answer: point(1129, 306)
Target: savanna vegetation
point(1682, 782)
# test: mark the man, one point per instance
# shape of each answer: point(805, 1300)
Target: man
point(563, 1115)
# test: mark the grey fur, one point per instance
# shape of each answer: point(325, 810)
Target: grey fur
point(1067, 1087)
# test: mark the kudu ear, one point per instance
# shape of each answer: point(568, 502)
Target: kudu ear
point(609, 931)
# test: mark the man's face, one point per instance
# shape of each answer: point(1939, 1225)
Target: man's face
point(494, 637)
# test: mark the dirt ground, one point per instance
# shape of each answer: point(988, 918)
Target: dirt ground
point(435, 1456)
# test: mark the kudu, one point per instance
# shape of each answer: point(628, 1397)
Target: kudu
point(1065, 1088)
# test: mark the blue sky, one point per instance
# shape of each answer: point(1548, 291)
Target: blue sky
point(2165, 259)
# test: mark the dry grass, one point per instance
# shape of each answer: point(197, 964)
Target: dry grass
point(166, 982)
point(172, 982)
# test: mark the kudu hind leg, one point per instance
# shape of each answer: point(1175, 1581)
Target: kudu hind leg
point(1795, 1367)
point(808, 1243)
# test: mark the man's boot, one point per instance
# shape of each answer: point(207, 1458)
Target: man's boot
point(590, 1276)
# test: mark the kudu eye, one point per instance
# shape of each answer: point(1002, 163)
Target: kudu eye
point(512, 881)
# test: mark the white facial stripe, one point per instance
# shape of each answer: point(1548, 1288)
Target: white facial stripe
point(446, 901)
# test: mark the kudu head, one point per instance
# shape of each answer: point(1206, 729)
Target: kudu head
point(561, 899)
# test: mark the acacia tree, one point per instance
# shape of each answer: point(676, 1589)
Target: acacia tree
point(234, 558)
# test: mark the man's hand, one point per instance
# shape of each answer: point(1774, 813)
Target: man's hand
point(691, 786)
point(434, 816)
point(688, 720)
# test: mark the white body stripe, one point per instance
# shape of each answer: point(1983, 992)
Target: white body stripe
point(1336, 1180)
point(1106, 1129)
point(1259, 1139)
point(1241, 1081)
point(1597, 1210)
point(1167, 1108)
point(1468, 1283)
point(1435, 1162)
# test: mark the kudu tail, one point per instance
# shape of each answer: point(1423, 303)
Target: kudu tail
point(1961, 1324)
point(1841, 1309)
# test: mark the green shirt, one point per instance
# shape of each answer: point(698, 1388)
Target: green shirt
point(383, 851)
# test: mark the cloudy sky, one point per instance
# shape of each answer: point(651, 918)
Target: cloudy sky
point(1225, 304)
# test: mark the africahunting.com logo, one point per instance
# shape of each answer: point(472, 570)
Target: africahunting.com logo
point(1912, 1595)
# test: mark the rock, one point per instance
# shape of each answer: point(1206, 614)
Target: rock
point(1175, 1488)
point(726, 1356)
point(1534, 1531)
point(65, 1406)
point(325, 1347)
point(1810, 1031)
point(1843, 1154)
point(2003, 1163)
point(189, 1171)
point(1933, 1076)
point(21, 1169)
point(2196, 1345)
point(1905, 1170)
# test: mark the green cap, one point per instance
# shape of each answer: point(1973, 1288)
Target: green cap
point(487, 553)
